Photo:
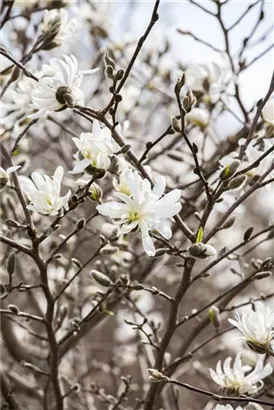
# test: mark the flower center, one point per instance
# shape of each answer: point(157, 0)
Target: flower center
point(134, 215)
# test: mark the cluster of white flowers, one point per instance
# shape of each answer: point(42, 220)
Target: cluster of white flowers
point(94, 149)
point(234, 379)
point(142, 207)
point(44, 192)
point(257, 328)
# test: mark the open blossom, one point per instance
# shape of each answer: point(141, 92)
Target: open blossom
point(43, 192)
point(59, 22)
point(94, 149)
point(199, 117)
point(17, 103)
point(268, 112)
point(234, 379)
point(5, 174)
point(146, 209)
point(253, 153)
point(59, 88)
point(207, 79)
point(257, 327)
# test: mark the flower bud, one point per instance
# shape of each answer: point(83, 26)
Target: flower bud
point(96, 193)
point(214, 316)
point(262, 275)
point(64, 97)
point(14, 309)
point(119, 75)
point(201, 250)
point(188, 101)
point(156, 376)
point(229, 170)
point(109, 72)
point(80, 224)
point(11, 263)
point(237, 182)
point(229, 223)
point(176, 124)
point(101, 278)
point(248, 233)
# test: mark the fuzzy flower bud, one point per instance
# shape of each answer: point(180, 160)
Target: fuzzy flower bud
point(201, 251)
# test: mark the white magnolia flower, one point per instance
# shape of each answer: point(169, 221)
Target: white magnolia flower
point(94, 149)
point(59, 87)
point(226, 407)
point(253, 153)
point(5, 174)
point(235, 379)
point(207, 78)
point(144, 209)
point(58, 21)
point(268, 112)
point(199, 117)
point(257, 327)
point(43, 192)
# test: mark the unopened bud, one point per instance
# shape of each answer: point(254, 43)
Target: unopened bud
point(201, 251)
point(119, 75)
point(76, 262)
point(156, 376)
point(237, 182)
point(80, 224)
point(263, 275)
point(109, 72)
point(214, 316)
point(64, 97)
point(11, 263)
point(248, 233)
point(228, 223)
point(12, 223)
point(137, 286)
point(229, 170)
point(101, 278)
point(176, 124)
point(14, 309)
point(188, 101)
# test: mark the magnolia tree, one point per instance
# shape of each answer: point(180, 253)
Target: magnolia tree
point(137, 209)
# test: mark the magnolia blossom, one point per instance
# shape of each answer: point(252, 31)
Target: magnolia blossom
point(235, 379)
point(94, 149)
point(5, 174)
point(253, 153)
point(58, 21)
point(257, 327)
point(43, 192)
point(60, 86)
point(199, 117)
point(145, 208)
point(208, 79)
point(226, 407)
point(268, 112)
point(17, 103)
